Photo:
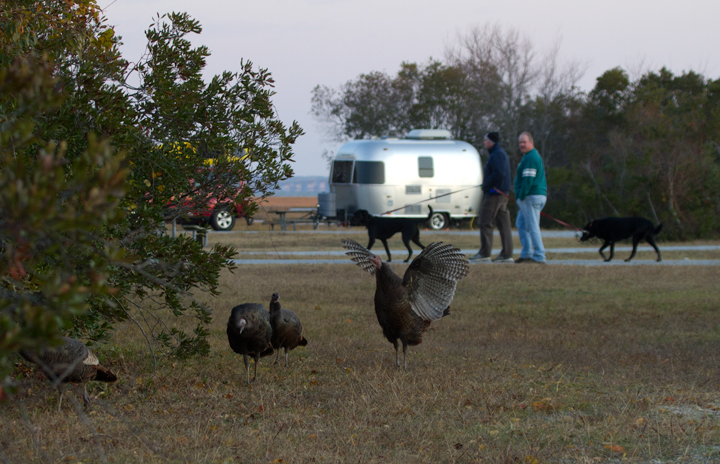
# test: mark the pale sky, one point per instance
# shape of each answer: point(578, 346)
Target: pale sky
point(304, 43)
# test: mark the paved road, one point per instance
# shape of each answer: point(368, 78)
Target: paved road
point(545, 233)
point(286, 256)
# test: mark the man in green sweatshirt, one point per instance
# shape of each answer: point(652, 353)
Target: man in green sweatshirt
point(531, 195)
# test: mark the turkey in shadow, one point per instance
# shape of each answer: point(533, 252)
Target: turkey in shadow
point(70, 362)
point(286, 328)
point(249, 333)
point(405, 307)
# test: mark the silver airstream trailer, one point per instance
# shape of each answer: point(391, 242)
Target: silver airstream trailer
point(382, 175)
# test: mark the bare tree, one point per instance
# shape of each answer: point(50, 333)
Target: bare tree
point(556, 79)
point(491, 79)
point(516, 88)
point(504, 70)
point(556, 86)
point(638, 67)
point(329, 113)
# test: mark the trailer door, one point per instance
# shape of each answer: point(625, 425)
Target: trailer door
point(373, 194)
point(341, 185)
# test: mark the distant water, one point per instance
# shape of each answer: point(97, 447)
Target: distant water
point(303, 186)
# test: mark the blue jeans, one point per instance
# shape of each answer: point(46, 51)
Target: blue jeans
point(528, 226)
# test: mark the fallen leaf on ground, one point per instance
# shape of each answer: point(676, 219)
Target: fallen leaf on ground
point(615, 448)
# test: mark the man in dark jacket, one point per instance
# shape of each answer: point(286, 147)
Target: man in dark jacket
point(496, 179)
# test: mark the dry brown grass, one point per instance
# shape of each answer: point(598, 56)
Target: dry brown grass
point(535, 364)
point(275, 202)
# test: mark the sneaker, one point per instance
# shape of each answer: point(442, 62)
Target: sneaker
point(478, 258)
point(522, 260)
point(500, 259)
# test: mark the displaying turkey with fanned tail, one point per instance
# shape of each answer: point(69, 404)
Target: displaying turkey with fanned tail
point(405, 307)
point(249, 333)
point(286, 329)
point(71, 362)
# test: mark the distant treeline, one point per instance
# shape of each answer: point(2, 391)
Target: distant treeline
point(647, 146)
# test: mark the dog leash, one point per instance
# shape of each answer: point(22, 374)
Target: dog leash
point(476, 186)
point(428, 199)
point(546, 215)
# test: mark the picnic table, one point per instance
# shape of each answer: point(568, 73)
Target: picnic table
point(306, 216)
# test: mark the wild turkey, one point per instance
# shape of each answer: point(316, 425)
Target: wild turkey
point(405, 307)
point(286, 329)
point(249, 333)
point(70, 362)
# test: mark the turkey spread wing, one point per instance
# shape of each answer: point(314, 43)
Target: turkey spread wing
point(359, 255)
point(431, 279)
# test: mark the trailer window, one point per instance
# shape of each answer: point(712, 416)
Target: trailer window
point(425, 166)
point(369, 172)
point(342, 172)
point(413, 189)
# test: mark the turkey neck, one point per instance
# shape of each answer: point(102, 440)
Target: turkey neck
point(389, 284)
point(275, 309)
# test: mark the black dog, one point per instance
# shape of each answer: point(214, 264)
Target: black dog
point(612, 229)
point(385, 227)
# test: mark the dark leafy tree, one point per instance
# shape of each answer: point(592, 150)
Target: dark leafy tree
point(146, 142)
point(55, 214)
point(434, 96)
point(444, 100)
point(373, 105)
point(649, 151)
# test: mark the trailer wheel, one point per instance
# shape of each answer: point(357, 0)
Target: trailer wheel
point(222, 220)
point(438, 221)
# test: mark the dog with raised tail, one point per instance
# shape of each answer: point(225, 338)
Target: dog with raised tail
point(612, 229)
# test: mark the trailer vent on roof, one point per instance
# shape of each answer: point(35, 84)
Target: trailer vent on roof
point(429, 134)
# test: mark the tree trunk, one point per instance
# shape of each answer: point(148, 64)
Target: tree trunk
point(671, 205)
point(652, 208)
point(597, 187)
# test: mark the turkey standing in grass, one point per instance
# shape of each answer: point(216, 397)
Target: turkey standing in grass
point(70, 362)
point(249, 333)
point(286, 328)
point(405, 307)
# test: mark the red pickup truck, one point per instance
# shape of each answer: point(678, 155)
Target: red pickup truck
point(206, 210)
point(219, 217)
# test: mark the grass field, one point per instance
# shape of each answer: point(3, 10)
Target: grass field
point(535, 364)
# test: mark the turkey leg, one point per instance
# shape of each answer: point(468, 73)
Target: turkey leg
point(247, 367)
point(405, 355)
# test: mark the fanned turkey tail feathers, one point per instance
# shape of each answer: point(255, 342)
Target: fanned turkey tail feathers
point(359, 255)
point(432, 277)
